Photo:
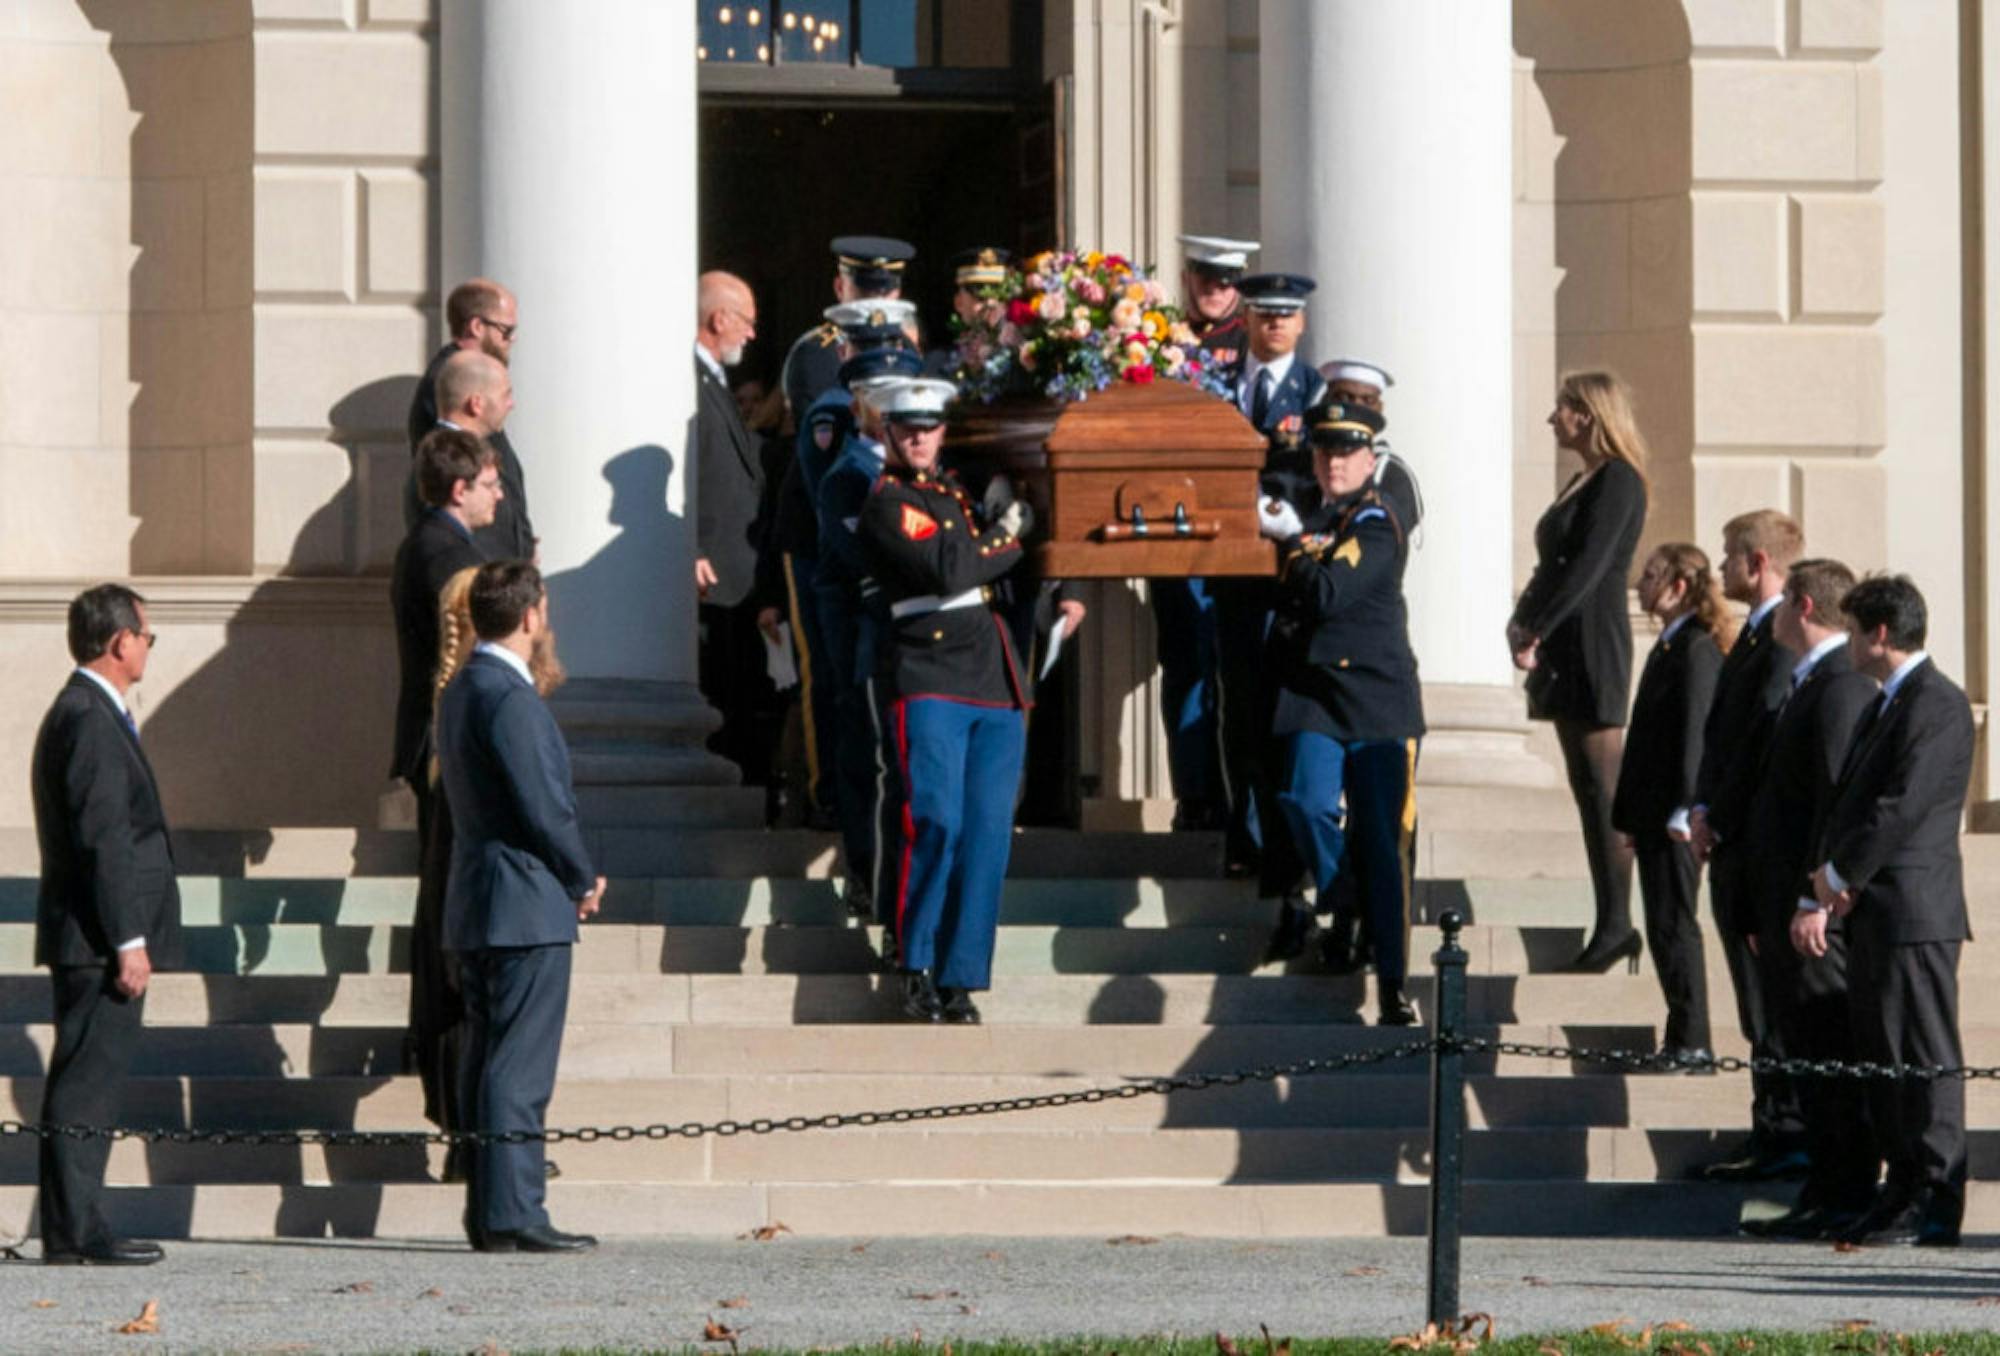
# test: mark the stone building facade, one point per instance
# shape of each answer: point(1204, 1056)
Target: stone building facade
point(224, 226)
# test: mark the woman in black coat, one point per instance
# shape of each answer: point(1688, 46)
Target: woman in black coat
point(1572, 635)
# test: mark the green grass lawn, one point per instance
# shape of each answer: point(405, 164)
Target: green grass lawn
point(1602, 1341)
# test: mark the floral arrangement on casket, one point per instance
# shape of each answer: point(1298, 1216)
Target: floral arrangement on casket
point(1068, 324)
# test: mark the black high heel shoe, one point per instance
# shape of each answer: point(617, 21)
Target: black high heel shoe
point(1600, 955)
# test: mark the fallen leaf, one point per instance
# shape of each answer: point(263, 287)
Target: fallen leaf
point(1535, 1280)
point(1855, 1324)
point(1746, 1344)
point(1550, 1349)
point(859, 1247)
point(712, 1331)
point(432, 1293)
point(1223, 1346)
point(764, 1233)
point(1675, 1325)
point(1272, 1348)
point(148, 1320)
point(934, 1295)
point(45, 1304)
point(1987, 1300)
point(968, 1309)
point(1135, 1240)
point(355, 1288)
point(999, 1257)
point(1362, 1271)
point(1844, 1246)
point(740, 1302)
point(1609, 1329)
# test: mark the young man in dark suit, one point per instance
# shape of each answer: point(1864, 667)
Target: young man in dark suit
point(460, 479)
point(1758, 550)
point(482, 317)
point(1806, 997)
point(521, 881)
point(1889, 865)
point(108, 913)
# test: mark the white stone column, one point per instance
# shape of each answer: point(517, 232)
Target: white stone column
point(568, 140)
point(1385, 169)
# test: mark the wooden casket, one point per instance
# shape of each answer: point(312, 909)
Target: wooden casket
point(1159, 479)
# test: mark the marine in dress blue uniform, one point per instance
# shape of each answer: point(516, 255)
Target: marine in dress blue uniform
point(1348, 708)
point(956, 706)
point(1184, 609)
point(866, 267)
point(1274, 387)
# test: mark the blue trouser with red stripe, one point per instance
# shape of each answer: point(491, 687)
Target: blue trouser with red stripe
point(959, 764)
point(1376, 775)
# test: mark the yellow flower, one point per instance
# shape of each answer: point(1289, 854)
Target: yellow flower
point(1135, 292)
point(1035, 264)
point(1092, 259)
point(1154, 324)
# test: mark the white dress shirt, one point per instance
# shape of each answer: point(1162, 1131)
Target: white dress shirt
point(713, 364)
point(1279, 367)
point(507, 657)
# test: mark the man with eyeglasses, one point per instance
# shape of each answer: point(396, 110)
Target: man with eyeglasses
point(482, 317)
point(108, 913)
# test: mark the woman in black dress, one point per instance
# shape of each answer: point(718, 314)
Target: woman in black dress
point(1572, 634)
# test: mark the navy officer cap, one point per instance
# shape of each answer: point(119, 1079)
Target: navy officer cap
point(1338, 426)
point(1275, 291)
point(874, 262)
point(874, 322)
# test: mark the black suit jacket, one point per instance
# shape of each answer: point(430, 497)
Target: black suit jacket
point(107, 867)
point(1755, 678)
point(1891, 826)
point(511, 535)
point(518, 862)
point(1575, 601)
point(435, 550)
point(1663, 744)
point(1809, 741)
point(729, 490)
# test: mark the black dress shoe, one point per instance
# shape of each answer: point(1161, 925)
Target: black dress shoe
point(920, 997)
point(112, 1252)
point(959, 1008)
point(1606, 950)
point(1758, 1165)
point(1294, 930)
point(859, 899)
point(550, 1170)
point(1916, 1224)
point(1396, 1010)
point(536, 1238)
point(1340, 944)
point(1801, 1224)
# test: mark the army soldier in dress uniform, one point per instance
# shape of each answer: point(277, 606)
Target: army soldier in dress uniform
point(866, 267)
point(1349, 709)
point(880, 354)
point(1274, 387)
point(956, 705)
point(1209, 292)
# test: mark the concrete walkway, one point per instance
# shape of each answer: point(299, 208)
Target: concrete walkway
point(400, 1297)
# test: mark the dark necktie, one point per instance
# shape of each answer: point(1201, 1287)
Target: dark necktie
point(131, 725)
point(1260, 403)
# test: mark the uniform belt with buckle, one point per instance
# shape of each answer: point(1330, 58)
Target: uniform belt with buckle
point(926, 603)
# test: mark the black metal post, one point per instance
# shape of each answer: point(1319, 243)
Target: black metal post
point(1447, 1121)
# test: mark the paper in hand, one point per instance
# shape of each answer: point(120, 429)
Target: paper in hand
point(778, 658)
point(1058, 629)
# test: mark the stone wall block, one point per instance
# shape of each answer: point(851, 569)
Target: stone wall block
point(192, 376)
point(1571, 35)
point(228, 239)
point(1739, 255)
point(1607, 135)
point(51, 105)
point(1727, 485)
point(169, 537)
point(168, 224)
point(229, 508)
point(1838, 27)
point(49, 390)
point(355, 366)
point(1839, 503)
point(1840, 256)
point(76, 523)
point(1736, 27)
point(343, 94)
point(1205, 97)
point(1536, 276)
point(192, 105)
point(1662, 257)
point(1767, 120)
point(131, 22)
point(305, 233)
point(1868, 124)
point(304, 13)
point(396, 217)
point(67, 243)
point(400, 13)
point(1593, 257)
point(304, 507)
point(381, 469)
point(1768, 386)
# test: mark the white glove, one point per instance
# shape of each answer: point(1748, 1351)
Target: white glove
point(1013, 517)
point(1278, 520)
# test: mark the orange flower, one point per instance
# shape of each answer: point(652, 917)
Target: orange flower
point(1135, 292)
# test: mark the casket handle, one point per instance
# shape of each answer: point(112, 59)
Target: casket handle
point(1196, 530)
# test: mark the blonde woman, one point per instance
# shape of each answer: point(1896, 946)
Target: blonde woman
point(1571, 634)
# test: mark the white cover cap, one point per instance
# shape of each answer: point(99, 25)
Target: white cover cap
point(1219, 251)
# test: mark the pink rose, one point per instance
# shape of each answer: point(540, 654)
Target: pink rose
point(1052, 306)
point(1091, 291)
point(1010, 335)
point(1173, 357)
point(1155, 294)
point(1125, 315)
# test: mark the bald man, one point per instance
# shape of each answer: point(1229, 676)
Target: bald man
point(482, 317)
point(729, 488)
